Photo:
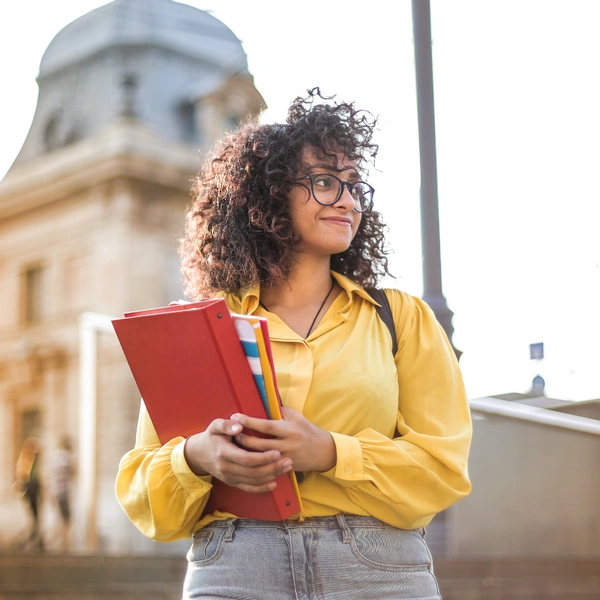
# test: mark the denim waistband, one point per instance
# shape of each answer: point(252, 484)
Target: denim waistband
point(342, 556)
point(335, 521)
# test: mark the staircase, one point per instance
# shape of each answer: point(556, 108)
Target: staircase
point(519, 579)
point(58, 577)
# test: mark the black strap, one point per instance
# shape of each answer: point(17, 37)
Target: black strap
point(385, 314)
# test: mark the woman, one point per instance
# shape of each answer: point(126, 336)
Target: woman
point(28, 479)
point(282, 226)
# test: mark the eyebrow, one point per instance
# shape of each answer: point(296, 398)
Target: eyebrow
point(330, 167)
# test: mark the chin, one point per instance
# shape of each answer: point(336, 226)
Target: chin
point(338, 249)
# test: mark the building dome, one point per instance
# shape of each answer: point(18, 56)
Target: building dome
point(160, 23)
point(170, 69)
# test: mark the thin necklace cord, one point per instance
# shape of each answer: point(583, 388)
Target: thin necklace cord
point(318, 312)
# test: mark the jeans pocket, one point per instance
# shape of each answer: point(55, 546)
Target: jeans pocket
point(207, 545)
point(390, 549)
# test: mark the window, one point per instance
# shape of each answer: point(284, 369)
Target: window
point(53, 133)
point(232, 122)
point(35, 296)
point(187, 122)
point(30, 423)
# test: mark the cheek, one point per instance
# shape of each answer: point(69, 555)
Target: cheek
point(297, 207)
point(357, 223)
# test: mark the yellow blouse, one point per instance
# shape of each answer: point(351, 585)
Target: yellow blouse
point(402, 431)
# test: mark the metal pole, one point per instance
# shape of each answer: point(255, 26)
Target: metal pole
point(430, 228)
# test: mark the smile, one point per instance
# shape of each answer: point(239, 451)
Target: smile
point(339, 221)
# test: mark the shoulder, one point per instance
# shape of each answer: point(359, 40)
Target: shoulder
point(61, 458)
point(402, 304)
point(412, 316)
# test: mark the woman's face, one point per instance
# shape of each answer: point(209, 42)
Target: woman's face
point(324, 230)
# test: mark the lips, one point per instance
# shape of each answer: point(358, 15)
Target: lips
point(343, 221)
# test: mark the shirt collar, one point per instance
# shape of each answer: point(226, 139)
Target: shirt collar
point(351, 287)
point(246, 301)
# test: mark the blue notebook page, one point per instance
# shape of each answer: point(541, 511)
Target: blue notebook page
point(247, 336)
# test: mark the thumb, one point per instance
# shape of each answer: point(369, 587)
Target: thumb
point(224, 427)
point(289, 414)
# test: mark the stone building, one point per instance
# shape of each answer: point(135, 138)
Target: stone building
point(91, 212)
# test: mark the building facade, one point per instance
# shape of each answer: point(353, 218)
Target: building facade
point(130, 95)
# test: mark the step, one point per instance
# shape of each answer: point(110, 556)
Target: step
point(50, 577)
point(519, 578)
point(64, 577)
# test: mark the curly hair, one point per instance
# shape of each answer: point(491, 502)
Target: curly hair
point(238, 230)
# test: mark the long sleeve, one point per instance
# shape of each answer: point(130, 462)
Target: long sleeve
point(156, 488)
point(423, 469)
point(401, 425)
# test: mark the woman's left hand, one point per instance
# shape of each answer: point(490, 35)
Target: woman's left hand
point(310, 447)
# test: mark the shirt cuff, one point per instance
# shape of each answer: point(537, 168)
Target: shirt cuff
point(349, 465)
point(192, 483)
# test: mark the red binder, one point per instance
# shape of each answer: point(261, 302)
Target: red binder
point(190, 368)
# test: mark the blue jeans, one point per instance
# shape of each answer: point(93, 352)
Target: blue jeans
point(344, 557)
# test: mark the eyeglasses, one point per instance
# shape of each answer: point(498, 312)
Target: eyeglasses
point(328, 189)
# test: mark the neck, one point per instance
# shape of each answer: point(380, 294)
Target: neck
point(306, 284)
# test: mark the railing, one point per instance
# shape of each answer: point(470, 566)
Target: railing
point(535, 414)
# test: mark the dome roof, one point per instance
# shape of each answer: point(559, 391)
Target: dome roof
point(163, 23)
point(163, 67)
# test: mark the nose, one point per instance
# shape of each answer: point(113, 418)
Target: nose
point(346, 200)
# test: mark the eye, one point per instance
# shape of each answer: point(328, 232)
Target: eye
point(324, 182)
point(359, 190)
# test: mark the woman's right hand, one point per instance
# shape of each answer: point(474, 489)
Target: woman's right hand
point(213, 452)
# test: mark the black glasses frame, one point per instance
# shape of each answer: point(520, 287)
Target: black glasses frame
point(349, 184)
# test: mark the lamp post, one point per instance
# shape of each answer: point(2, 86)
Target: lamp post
point(430, 221)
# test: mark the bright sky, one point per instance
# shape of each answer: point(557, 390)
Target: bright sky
point(517, 123)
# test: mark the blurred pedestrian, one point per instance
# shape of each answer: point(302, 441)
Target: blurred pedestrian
point(60, 476)
point(27, 474)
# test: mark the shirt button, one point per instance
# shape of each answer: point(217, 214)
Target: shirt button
point(348, 470)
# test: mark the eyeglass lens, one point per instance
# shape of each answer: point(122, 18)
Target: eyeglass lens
point(328, 190)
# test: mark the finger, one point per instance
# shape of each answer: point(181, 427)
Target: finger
point(246, 482)
point(235, 474)
point(249, 458)
point(224, 427)
point(274, 469)
point(252, 479)
point(289, 414)
point(258, 444)
point(258, 489)
point(266, 426)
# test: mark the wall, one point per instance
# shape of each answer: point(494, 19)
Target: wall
point(536, 492)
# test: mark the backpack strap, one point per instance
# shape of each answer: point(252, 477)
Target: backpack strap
point(385, 314)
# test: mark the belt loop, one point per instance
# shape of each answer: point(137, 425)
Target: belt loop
point(344, 527)
point(230, 531)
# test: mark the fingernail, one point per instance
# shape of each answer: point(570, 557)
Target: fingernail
point(235, 417)
point(236, 428)
point(287, 469)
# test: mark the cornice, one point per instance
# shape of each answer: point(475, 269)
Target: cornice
point(124, 150)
